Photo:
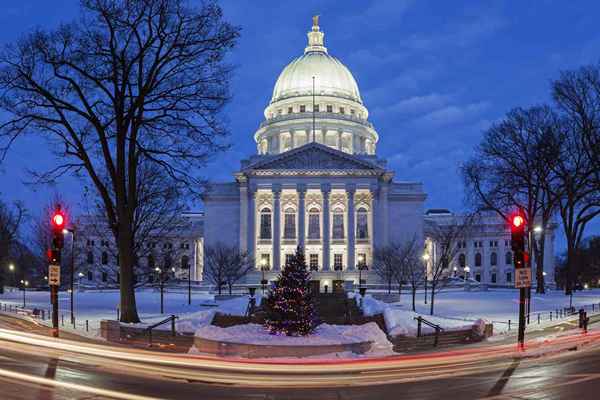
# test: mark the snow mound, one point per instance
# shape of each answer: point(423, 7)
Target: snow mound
point(324, 334)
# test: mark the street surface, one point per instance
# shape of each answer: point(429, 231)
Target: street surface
point(36, 367)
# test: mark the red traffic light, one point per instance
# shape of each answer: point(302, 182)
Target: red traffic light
point(518, 221)
point(58, 220)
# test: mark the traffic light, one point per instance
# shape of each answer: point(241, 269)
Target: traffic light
point(54, 257)
point(58, 223)
point(517, 230)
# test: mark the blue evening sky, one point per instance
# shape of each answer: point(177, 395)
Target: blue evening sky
point(433, 74)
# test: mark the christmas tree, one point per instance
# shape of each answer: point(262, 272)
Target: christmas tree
point(289, 308)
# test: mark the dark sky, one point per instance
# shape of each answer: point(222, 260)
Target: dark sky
point(433, 75)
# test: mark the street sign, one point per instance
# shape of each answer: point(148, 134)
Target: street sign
point(54, 275)
point(522, 277)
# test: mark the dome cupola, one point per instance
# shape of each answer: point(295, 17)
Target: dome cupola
point(316, 98)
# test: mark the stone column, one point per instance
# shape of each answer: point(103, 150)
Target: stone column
point(374, 223)
point(251, 228)
point(301, 189)
point(339, 143)
point(243, 240)
point(384, 216)
point(325, 191)
point(351, 226)
point(276, 190)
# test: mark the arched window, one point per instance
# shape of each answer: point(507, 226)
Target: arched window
point(90, 275)
point(90, 257)
point(478, 259)
point(508, 258)
point(494, 258)
point(338, 224)
point(151, 263)
point(104, 258)
point(265, 223)
point(314, 223)
point(462, 260)
point(185, 262)
point(362, 223)
point(289, 223)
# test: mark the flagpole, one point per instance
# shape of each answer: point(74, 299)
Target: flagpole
point(313, 108)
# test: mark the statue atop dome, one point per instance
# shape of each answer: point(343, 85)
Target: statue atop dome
point(315, 37)
point(315, 19)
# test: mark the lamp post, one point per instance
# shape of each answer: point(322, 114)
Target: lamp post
point(11, 267)
point(162, 287)
point(24, 284)
point(467, 270)
point(264, 267)
point(454, 272)
point(362, 266)
point(72, 232)
point(426, 258)
point(189, 269)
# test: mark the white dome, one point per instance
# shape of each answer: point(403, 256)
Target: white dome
point(332, 78)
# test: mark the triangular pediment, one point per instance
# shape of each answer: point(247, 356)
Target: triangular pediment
point(314, 156)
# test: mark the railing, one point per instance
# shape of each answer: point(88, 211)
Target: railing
point(318, 115)
point(420, 320)
point(148, 330)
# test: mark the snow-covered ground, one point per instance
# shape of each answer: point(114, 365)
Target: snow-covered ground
point(454, 308)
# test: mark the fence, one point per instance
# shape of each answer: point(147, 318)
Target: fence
point(45, 316)
point(552, 315)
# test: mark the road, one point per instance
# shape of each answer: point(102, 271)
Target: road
point(36, 367)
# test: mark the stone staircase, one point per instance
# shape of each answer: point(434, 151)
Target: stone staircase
point(334, 308)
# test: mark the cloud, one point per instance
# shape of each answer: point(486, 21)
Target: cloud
point(416, 104)
point(452, 114)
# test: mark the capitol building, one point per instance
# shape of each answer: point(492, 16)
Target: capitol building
point(315, 181)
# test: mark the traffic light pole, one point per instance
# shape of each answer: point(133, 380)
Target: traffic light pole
point(54, 301)
point(522, 298)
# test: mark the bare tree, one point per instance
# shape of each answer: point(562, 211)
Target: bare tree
point(11, 219)
point(511, 168)
point(445, 235)
point(225, 265)
point(385, 265)
point(131, 79)
point(411, 267)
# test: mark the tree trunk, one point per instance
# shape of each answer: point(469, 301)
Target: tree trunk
point(128, 310)
point(389, 286)
point(570, 269)
point(414, 296)
point(432, 299)
point(539, 261)
point(230, 288)
point(399, 290)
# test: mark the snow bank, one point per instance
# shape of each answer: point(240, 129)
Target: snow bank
point(324, 334)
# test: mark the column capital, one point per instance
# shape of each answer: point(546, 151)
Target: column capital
point(301, 189)
point(276, 189)
point(351, 188)
point(325, 188)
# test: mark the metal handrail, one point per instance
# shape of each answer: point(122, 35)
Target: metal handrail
point(420, 320)
point(148, 329)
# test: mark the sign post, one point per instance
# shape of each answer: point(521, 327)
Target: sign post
point(57, 222)
point(54, 282)
point(522, 270)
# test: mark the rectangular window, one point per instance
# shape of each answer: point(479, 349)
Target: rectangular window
point(362, 225)
point(90, 275)
point(265, 226)
point(342, 110)
point(338, 226)
point(329, 108)
point(493, 277)
point(337, 262)
point(316, 108)
point(508, 277)
point(478, 277)
point(314, 229)
point(361, 259)
point(278, 112)
point(303, 108)
point(352, 111)
point(289, 227)
point(104, 277)
point(290, 110)
point(314, 262)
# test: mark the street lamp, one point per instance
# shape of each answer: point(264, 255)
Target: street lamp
point(362, 266)
point(24, 283)
point(467, 270)
point(538, 229)
point(11, 268)
point(455, 271)
point(162, 288)
point(264, 267)
point(66, 231)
